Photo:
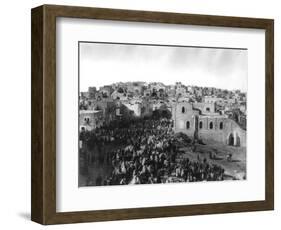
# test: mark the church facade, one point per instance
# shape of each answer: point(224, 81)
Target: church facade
point(201, 121)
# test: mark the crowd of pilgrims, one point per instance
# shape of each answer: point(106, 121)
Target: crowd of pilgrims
point(147, 153)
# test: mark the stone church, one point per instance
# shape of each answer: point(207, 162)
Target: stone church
point(201, 121)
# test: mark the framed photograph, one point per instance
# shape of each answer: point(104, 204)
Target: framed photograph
point(140, 114)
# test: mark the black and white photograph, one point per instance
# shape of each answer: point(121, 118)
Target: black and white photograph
point(157, 114)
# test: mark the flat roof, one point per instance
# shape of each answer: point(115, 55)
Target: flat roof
point(89, 111)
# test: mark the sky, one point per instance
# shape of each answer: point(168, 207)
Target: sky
point(107, 63)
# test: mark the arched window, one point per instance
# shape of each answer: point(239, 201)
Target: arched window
point(200, 124)
point(187, 125)
point(183, 110)
point(237, 140)
point(231, 140)
point(87, 120)
point(211, 125)
point(208, 109)
point(98, 107)
point(221, 125)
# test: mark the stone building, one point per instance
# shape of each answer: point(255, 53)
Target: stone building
point(134, 107)
point(92, 92)
point(106, 90)
point(90, 119)
point(211, 99)
point(136, 88)
point(200, 120)
point(108, 107)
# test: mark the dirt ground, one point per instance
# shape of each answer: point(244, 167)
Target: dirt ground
point(215, 153)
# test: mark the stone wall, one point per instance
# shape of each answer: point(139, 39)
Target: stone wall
point(89, 119)
point(184, 118)
point(222, 130)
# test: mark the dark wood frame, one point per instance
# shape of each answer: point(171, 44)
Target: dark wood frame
point(43, 189)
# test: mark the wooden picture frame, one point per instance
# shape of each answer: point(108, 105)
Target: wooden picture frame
point(43, 205)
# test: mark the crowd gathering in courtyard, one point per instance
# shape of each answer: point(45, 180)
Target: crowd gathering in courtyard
point(146, 152)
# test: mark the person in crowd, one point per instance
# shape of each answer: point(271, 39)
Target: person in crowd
point(147, 154)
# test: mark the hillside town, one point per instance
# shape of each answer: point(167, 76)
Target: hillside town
point(145, 133)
